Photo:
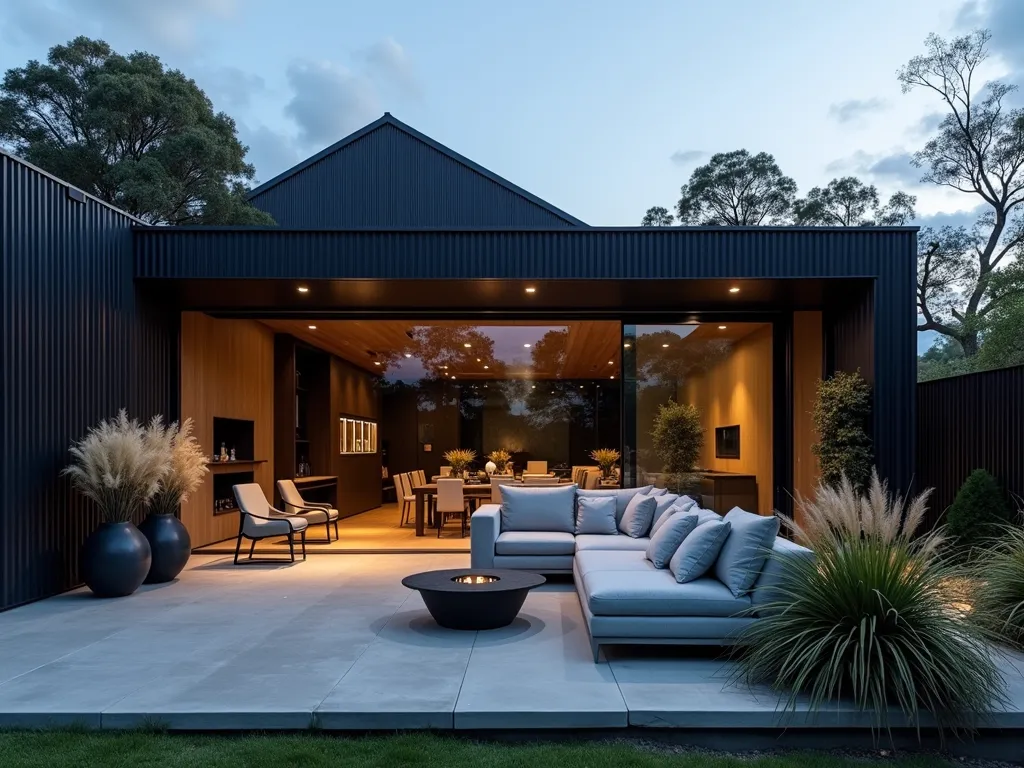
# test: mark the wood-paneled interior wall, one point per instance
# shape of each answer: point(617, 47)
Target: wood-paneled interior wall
point(808, 367)
point(227, 370)
point(738, 390)
point(354, 393)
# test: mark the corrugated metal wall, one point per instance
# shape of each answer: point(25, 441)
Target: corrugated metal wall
point(388, 178)
point(966, 423)
point(78, 343)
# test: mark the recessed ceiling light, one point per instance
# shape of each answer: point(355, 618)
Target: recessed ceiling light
point(453, 375)
point(611, 362)
point(734, 289)
point(478, 359)
point(376, 362)
point(303, 289)
point(627, 345)
point(611, 377)
point(445, 367)
point(486, 367)
point(467, 345)
point(722, 327)
point(526, 345)
point(665, 346)
point(533, 387)
point(531, 290)
point(581, 386)
point(312, 327)
point(408, 354)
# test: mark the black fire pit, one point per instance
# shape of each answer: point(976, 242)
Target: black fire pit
point(471, 598)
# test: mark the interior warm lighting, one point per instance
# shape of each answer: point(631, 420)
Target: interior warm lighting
point(534, 386)
point(531, 290)
point(376, 362)
point(453, 375)
point(408, 354)
point(611, 377)
point(474, 579)
point(445, 367)
point(665, 346)
point(627, 345)
point(486, 367)
point(734, 289)
point(722, 327)
point(526, 345)
point(312, 327)
point(303, 289)
point(611, 362)
point(467, 345)
point(478, 359)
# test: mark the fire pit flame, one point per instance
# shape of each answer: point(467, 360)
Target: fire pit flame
point(475, 579)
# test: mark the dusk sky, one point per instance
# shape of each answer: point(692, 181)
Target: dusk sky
point(601, 108)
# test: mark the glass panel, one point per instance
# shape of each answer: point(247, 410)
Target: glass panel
point(724, 372)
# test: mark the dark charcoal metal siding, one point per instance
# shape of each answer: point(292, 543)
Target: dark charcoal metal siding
point(388, 178)
point(966, 423)
point(78, 344)
point(875, 332)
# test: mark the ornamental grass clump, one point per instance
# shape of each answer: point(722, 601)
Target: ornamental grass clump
point(117, 467)
point(459, 459)
point(501, 458)
point(999, 587)
point(872, 618)
point(184, 464)
point(606, 459)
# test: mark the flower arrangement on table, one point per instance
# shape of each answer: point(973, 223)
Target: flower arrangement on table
point(459, 459)
point(606, 459)
point(501, 458)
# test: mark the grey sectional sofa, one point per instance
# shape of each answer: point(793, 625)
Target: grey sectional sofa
point(625, 599)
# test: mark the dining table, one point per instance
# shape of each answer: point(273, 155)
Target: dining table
point(475, 491)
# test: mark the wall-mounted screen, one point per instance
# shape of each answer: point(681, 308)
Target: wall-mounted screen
point(727, 442)
point(358, 435)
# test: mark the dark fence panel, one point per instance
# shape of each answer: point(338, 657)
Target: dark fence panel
point(966, 423)
point(78, 344)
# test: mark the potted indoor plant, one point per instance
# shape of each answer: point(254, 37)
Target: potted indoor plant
point(678, 437)
point(459, 459)
point(117, 467)
point(501, 458)
point(606, 459)
point(184, 470)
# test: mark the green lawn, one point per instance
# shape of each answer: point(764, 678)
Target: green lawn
point(55, 749)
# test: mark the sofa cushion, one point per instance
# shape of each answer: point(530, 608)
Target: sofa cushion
point(666, 540)
point(663, 503)
point(636, 520)
point(653, 592)
point(745, 549)
point(621, 496)
point(538, 508)
point(534, 543)
point(698, 551)
point(586, 542)
point(657, 491)
point(611, 560)
point(596, 515)
point(706, 515)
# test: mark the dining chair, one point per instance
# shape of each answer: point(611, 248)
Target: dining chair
point(536, 468)
point(446, 471)
point(420, 476)
point(258, 520)
point(314, 512)
point(406, 499)
point(591, 479)
point(541, 480)
point(449, 502)
point(496, 482)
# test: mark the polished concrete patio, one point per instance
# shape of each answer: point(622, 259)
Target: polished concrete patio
point(339, 643)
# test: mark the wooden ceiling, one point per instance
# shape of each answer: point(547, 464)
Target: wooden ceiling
point(567, 350)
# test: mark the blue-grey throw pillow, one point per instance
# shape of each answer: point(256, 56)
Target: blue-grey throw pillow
point(662, 509)
point(706, 515)
point(744, 552)
point(621, 496)
point(636, 520)
point(666, 540)
point(538, 508)
point(596, 514)
point(657, 491)
point(697, 553)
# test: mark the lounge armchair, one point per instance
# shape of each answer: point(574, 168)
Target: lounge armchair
point(315, 513)
point(258, 520)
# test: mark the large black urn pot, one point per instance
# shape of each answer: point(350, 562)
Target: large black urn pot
point(171, 546)
point(115, 559)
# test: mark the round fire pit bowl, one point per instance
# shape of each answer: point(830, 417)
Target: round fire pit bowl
point(472, 598)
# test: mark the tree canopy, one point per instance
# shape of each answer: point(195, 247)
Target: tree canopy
point(737, 189)
point(849, 202)
point(657, 216)
point(134, 134)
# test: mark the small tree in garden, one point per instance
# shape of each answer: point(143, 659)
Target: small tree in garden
point(678, 438)
point(841, 413)
point(977, 512)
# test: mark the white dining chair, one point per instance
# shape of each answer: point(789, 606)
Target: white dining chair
point(258, 520)
point(536, 468)
point(446, 472)
point(591, 479)
point(315, 513)
point(496, 482)
point(449, 502)
point(406, 498)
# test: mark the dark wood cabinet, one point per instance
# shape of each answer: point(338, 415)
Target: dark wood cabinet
point(721, 491)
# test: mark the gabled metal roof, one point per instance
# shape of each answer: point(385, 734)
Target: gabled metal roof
point(356, 183)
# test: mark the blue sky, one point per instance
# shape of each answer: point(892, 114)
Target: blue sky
point(603, 108)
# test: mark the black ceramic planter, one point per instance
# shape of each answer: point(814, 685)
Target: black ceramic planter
point(115, 559)
point(171, 546)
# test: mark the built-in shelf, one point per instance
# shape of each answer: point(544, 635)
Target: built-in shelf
point(358, 435)
point(235, 463)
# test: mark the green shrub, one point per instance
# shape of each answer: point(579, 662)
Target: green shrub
point(977, 513)
point(999, 595)
point(678, 437)
point(873, 617)
point(842, 411)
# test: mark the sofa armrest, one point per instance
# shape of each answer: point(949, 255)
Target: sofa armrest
point(766, 587)
point(483, 533)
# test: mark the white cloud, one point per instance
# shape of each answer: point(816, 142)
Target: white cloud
point(687, 157)
point(387, 62)
point(329, 101)
point(896, 167)
point(855, 109)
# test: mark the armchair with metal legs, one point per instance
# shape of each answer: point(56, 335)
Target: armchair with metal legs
point(314, 512)
point(258, 520)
